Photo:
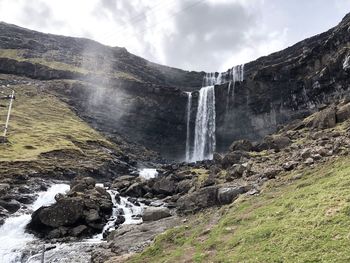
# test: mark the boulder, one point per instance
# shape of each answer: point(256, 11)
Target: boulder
point(343, 113)
point(12, 206)
point(236, 171)
point(277, 142)
point(241, 145)
point(135, 190)
point(164, 185)
point(4, 189)
point(195, 201)
point(233, 158)
point(64, 213)
point(79, 230)
point(155, 213)
point(323, 119)
point(227, 195)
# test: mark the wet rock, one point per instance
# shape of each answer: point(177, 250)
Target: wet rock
point(79, 230)
point(135, 190)
point(64, 213)
point(227, 195)
point(4, 189)
point(155, 213)
point(81, 212)
point(12, 206)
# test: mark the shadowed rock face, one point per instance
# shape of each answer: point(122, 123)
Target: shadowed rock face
point(120, 93)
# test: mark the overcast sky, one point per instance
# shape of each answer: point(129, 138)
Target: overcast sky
point(210, 35)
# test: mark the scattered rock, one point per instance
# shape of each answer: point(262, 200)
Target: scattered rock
point(241, 145)
point(227, 195)
point(155, 213)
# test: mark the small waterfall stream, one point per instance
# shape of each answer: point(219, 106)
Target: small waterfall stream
point(13, 237)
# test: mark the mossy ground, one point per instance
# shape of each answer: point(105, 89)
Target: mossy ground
point(46, 136)
point(41, 123)
point(302, 217)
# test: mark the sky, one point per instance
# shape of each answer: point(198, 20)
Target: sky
point(209, 35)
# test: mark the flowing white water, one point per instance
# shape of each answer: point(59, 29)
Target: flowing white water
point(346, 63)
point(12, 233)
point(189, 105)
point(204, 135)
point(148, 173)
point(205, 139)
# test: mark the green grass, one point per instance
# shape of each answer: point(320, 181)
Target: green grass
point(41, 123)
point(307, 220)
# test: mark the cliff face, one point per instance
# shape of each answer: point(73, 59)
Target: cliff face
point(285, 85)
point(120, 93)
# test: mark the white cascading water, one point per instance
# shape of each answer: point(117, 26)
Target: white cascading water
point(204, 137)
point(148, 173)
point(204, 134)
point(12, 233)
point(346, 63)
point(189, 105)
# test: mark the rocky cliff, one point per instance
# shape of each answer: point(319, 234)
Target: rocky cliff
point(122, 94)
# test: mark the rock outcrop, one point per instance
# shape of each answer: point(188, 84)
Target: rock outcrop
point(82, 212)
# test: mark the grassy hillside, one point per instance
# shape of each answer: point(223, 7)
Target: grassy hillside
point(302, 217)
point(46, 135)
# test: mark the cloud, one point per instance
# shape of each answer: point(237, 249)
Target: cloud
point(208, 35)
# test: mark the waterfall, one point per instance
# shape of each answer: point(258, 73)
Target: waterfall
point(189, 104)
point(346, 63)
point(204, 133)
point(204, 139)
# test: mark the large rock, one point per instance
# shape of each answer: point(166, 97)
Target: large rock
point(203, 198)
point(155, 213)
point(233, 158)
point(343, 113)
point(64, 213)
point(241, 145)
point(164, 185)
point(12, 206)
point(82, 212)
point(227, 195)
point(277, 142)
point(323, 119)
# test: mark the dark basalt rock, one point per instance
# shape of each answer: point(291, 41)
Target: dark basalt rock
point(82, 212)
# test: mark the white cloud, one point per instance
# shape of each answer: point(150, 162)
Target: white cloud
point(192, 34)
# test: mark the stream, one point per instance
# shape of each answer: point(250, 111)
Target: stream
point(17, 246)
